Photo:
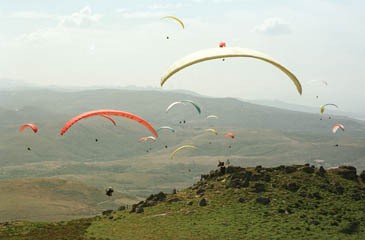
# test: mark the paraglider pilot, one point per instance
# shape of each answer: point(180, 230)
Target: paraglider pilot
point(109, 191)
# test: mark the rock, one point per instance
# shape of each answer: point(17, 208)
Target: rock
point(202, 202)
point(307, 169)
point(139, 210)
point(347, 172)
point(259, 187)
point(107, 212)
point(290, 169)
point(293, 187)
point(176, 199)
point(321, 171)
point(189, 203)
point(241, 200)
point(121, 208)
point(362, 176)
point(263, 200)
point(174, 191)
point(157, 197)
point(258, 168)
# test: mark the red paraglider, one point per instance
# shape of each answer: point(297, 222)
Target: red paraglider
point(108, 112)
point(222, 44)
point(30, 125)
point(231, 135)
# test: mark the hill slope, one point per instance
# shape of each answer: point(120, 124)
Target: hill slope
point(284, 202)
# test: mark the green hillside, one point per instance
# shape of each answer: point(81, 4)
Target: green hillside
point(284, 202)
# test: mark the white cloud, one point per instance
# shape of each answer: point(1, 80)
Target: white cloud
point(82, 18)
point(273, 26)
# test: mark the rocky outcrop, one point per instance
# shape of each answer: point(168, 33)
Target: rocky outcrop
point(347, 172)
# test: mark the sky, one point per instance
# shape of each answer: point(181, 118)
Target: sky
point(110, 43)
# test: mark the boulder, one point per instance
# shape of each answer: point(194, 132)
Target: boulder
point(107, 212)
point(321, 171)
point(122, 208)
point(203, 202)
point(347, 172)
point(259, 187)
point(263, 200)
point(307, 169)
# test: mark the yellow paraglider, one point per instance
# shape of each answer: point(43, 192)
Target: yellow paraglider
point(176, 19)
point(211, 130)
point(216, 53)
point(180, 148)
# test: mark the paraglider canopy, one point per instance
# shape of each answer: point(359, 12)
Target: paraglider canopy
point(176, 19)
point(222, 44)
point(180, 148)
point(337, 126)
point(144, 139)
point(230, 135)
point(108, 112)
point(211, 130)
point(183, 102)
point(323, 107)
point(226, 52)
point(29, 125)
point(165, 127)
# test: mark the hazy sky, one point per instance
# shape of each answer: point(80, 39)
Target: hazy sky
point(121, 43)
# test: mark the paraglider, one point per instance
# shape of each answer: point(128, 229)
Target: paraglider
point(108, 112)
point(225, 52)
point(165, 128)
point(176, 19)
point(109, 191)
point(336, 127)
point(230, 135)
point(181, 148)
point(222, 44)
point(212, 116)
point(29, 125)
point(323, 107)
point(211, 130)
point(183, 102)
point(145, 139)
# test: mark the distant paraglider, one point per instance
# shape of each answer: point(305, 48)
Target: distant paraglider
point(181, 148)
point(109, 191)
point(216, 53)
point(336, 127)
point(175, 19)
point(29, 125)
point(212, 130)
point(222, 44)
point(183, 102)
